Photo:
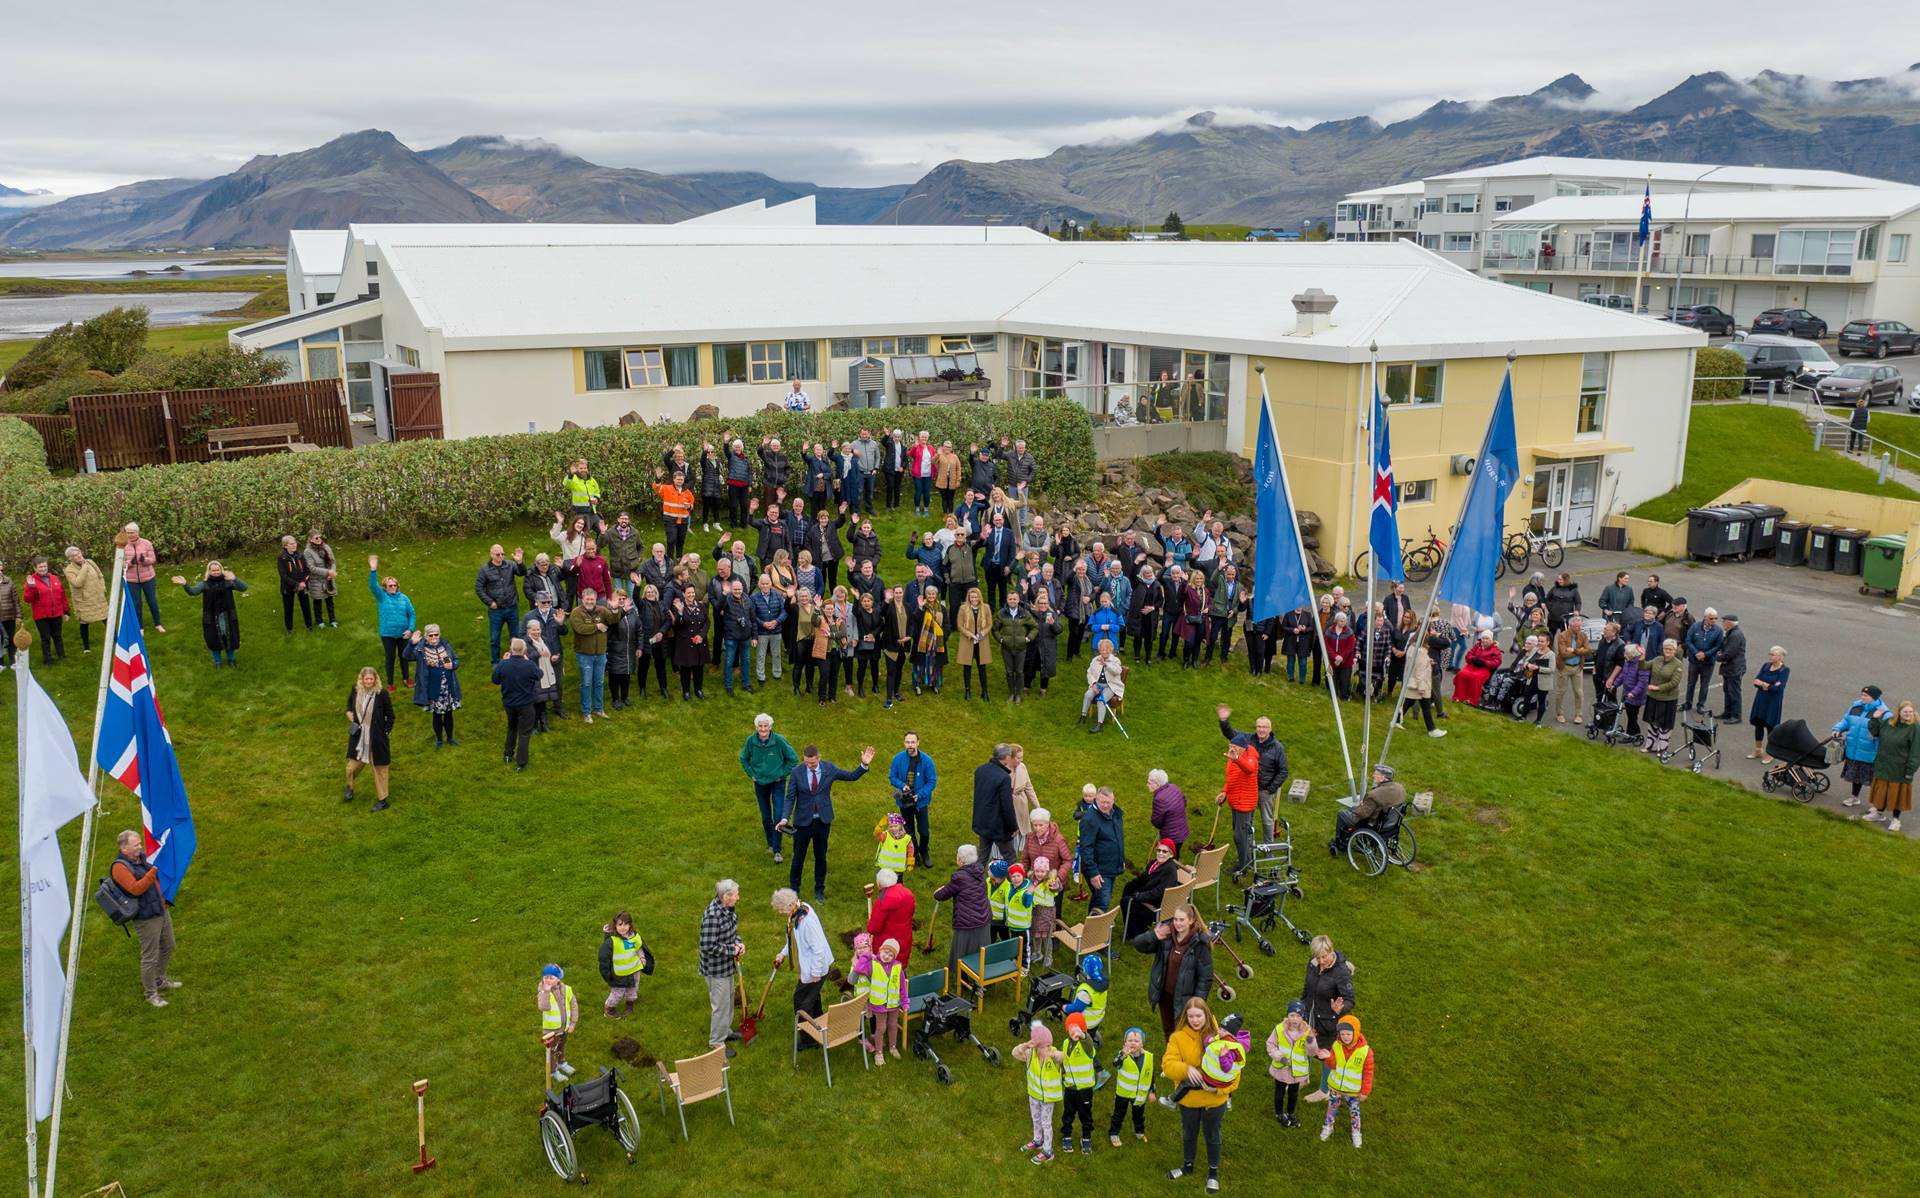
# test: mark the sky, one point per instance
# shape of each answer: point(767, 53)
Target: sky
point(844, 92)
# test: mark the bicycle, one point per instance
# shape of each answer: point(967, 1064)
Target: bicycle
point(1418, 560)
point(1521, 546)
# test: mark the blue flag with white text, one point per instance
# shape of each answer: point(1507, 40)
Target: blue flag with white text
point(1383, 535)
point(1280, 581)
point(1481, 536)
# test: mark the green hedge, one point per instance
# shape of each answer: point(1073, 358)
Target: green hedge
point(480, 482)
point(1718, 374)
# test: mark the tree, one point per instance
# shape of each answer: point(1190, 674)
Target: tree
point(1174, 225)
point(53, 356)
point(113, 340)
point(1317, 233)
point(203, 367)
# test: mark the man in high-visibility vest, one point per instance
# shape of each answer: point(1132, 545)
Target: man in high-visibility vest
point(1132, 1086)
point(676, 508)
point(1349, 1074)
point(1077, 1071)
point(559, 1014)
point(583, 493)
point(623, 958)
point(1043, 1062)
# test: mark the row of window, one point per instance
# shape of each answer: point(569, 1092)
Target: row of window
point(679, 365)
point(1419, 384)
point(886, 347)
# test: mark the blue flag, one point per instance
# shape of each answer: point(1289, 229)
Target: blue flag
point(1280, 581)
point(1646, 216)
point(1480, 538)
point(1383, 537)
point(135, 749)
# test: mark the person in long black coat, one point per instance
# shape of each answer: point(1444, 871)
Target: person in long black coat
point(654, 641)
point(369, 725)
point(219, 620)
point(690, 628)
point(1140, 897)
point(1043, 651)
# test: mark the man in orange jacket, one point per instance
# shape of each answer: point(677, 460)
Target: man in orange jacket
point(1242, 797)
point(676, 509)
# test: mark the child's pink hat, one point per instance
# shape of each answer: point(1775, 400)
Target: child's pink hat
point(863, 943)
point(1041, 864)
point(1041, 1034)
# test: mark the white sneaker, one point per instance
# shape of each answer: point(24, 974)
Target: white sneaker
point(1893, 825)
point(588, 717)
point(1326, 1132)
point(1437, 733)
point(1356, 1137)
point(1874, 817)
point(1852, 802)
point(156, 1000)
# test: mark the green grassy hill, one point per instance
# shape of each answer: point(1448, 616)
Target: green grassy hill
point(1727, 443)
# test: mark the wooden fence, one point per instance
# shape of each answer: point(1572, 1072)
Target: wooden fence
point(57, 433)
point(147, 428)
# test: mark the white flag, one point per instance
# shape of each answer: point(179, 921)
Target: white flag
point(52, 791)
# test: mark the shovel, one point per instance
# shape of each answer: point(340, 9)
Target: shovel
point(750, 1024)
point(1213, 831)
point(928, 946)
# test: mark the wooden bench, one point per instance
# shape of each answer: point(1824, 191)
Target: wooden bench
point(256, 438)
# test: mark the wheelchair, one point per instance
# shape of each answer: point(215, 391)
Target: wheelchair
point(596, 1102)
point(1388, 840)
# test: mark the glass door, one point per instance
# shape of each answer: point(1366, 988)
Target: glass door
point(1119, 381)
point(1583, 487)
point(1550, 500)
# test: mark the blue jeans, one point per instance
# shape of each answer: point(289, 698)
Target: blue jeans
point(1102, 895)
point(1457, 653)
point(734, 654)
point(922, 494)
point(151, 589)
point(593, 681)
point(767, 794)
point(498, 618)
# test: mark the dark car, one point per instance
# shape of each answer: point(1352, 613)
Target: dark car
point(1878, 338)
point(1705, 317)
point(1881, 384)
point(1782, 360)
point(1794, 322)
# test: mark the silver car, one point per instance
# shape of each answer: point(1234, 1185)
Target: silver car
point(1880, 384)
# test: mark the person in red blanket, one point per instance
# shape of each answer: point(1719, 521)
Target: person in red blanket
point(891, 916)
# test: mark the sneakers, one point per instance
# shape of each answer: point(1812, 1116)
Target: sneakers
point(1113, 1141)
point(1086, 1145)
point(154, 1000)
point(1437, 733)
point(586, 716)
point(381, 805)
point(1213, 1184)
point(1066, 1143)
point(170, 984)
point(1852, 802)
point(1030, 1146)
point(1177, 1174)
point(1041, 1158)
point(1874, 817)
point(1356, 1137)
point(1326, 1131)
point(1893, 825)
point(347, 797)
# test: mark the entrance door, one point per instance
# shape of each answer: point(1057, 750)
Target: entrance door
point(1581, 494)
point(1550, 485)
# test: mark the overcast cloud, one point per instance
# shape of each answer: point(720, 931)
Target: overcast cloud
point(854, 93)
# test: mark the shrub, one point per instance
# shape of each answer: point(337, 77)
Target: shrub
point(23, 456)
point(113, 340)
point(53, 356)
point(1718, 374)
point(479, 482)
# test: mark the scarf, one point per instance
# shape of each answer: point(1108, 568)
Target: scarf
point(363, 701)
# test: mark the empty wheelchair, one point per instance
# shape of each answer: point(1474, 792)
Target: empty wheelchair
point(596, 1102)
point(1388, 840)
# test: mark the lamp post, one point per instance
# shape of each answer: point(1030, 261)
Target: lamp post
point(1680, 259)
point(903, 203)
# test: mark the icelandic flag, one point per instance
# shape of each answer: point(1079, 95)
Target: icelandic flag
point(1383, 537)
point(1646, 216)
point(1480, 538)
point(1280, 581)
point(134, 748)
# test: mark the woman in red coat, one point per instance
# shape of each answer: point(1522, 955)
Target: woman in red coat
point(46, 602)
point(1341, 649)
point(1482, 660)
point(891, 917)
point(1193, 618)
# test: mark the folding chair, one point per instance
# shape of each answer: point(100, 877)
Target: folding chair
point(696, 1079)
point(999, 962)
point(1206, 872)
point(1094, 934)
point(842, 1022)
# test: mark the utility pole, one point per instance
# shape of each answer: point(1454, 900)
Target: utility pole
point(1680, 259)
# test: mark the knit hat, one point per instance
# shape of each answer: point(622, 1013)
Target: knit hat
point(1352, 1021)
point(894, 820)
point(1041, 865)
point(863, 943)
point(1167, 844)
point(998, 868)
point(1040, 1034)
point(1016, 872)
point(890, 943)
point(1133, 1031)
point(1076, 1022)
point(1872, 692)
point(554, 971)
point(1296, 1007)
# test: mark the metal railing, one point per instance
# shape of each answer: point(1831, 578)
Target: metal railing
point(1686, 264)
point(1124, 404)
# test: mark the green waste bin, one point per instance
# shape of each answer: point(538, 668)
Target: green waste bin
point(1881, 560)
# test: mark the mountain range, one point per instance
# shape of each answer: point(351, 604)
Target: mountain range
point(1211, 171)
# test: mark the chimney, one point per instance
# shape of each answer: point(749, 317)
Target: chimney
point(1314, 309)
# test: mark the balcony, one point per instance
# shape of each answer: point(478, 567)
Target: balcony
point(1700, 265)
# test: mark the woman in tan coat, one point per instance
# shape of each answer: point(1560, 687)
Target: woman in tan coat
point(1419, 686)
point(86, 595)
point(974, 622)
point(1024, 799)
point(947, 474)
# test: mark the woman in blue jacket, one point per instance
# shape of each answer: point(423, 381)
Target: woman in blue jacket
point(1861, 746)
point(1106, 623)
point(394, 613)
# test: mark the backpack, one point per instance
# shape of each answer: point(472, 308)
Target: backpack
point(119, 906)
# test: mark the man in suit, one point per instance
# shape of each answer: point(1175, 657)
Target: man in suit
point(1173, 597)
point(993, 819)
point(809, 813)
point(996, 560)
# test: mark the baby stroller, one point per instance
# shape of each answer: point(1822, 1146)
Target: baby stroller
point(1800, 761)
point(596, 1102)
point(1046, 995)
point(948, 1015)
point(1264, 898)
point(1606, 724)
point(1700, 732)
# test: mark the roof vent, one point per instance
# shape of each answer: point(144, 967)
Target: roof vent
point(1314, 309)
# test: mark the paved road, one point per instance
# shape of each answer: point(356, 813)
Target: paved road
point(1836, 639)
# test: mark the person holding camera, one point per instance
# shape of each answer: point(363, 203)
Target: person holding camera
point(913, 778)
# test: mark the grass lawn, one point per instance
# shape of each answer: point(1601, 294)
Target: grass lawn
point(1609, 977)
point(1730, 442)
point(1209, 480)
point(171, 338)
point(1898, 429)
point(11, 288)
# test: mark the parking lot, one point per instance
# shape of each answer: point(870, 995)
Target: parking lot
point(1836, 639)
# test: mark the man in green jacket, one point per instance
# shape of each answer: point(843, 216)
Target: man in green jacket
point(768, 759)
point(1014, 627)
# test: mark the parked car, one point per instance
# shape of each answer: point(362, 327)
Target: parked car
point(1878, 337)
point(1913, 401)
point(1794, 322)
point(1772, 358)
point(1705, 317)
point(1882, 384)
point(1619, 303)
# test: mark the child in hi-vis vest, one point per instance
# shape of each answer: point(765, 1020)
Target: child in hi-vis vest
point(1349, 1074)
point(1043, 1088)
point(1290, 1046)
point(886, 999)
point(1044, 887)
point(997, 888)
point(1132, 1086)
point(896, 847)
point(1079, 1078)
point(559, 1014)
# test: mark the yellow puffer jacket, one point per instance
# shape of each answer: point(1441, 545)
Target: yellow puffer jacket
point(1183, 1053)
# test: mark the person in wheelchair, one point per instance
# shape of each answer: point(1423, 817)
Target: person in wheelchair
point(1385, 795)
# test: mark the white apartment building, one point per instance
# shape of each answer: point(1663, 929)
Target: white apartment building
point(1453, 213)
point(1840, 254)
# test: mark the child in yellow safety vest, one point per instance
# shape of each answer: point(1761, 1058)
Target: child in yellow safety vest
point(623, 958)
point(559, 1014)
point(886, 999)
point(1290, 1046)
point(997, 890)
point(1090, 996)
point(1077, 1071)
point(1132, 1086)
point(1044, 886)
point(1044, 1088)
point(860, 973)
point(1349, 1074)
point(896, 847)
point(1221, 1060)
point(1019, 902)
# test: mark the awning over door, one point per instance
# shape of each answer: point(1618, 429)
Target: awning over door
point(1580, 449)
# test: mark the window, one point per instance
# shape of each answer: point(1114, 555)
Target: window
point(322, 297)
point(1762, 246)
point(373, 291)
point(365, 330)
point(1430, 204)
point(407, 354)
point(1815, 252)
point(604, 372)
point(646, 368)
point(1458, 243)
point(1511, 203)
point(1458, 201)
point(1117, 363)
point(373, 269)
point(846, 347)
point(1687, 296)
point(683, 366)
point(1870, 243)
point(323, 362)
point(1413, 383)
point(1698, 244)
point(968, 343)
point(1418, 491)
point(766, 361)
point(803, 359)
point(730, 362)
point(1594, 369)
point(1429, 241)
point(897, 345)
point(1897, 247)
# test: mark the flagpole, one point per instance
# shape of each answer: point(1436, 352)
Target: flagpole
point(1313, 606)
point(116, 599)
point(1373, 570)
point(1433, 596)
point(22, 665)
